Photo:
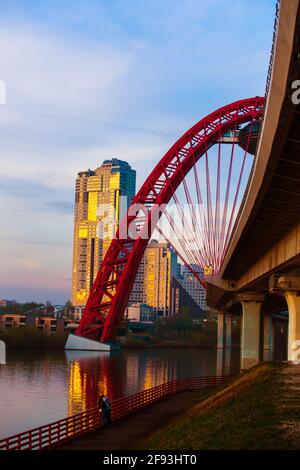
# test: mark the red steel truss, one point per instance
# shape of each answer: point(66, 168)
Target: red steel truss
point(111, 290)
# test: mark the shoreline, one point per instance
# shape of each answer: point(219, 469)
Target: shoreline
point(263, 423)
point(29, 338)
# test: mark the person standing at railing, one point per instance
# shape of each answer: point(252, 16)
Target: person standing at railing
point(105, 410)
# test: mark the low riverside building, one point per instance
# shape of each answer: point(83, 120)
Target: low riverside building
point(49, 325)
point(12, 320)
point(140, 313)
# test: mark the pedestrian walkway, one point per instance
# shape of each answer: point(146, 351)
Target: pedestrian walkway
point(125, 433)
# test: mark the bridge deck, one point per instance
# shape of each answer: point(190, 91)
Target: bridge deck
point(126, 433)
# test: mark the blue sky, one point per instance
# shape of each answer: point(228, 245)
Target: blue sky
point(88, 80)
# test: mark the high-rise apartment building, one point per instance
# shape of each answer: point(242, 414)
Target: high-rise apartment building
point(101, 197)
point(192, 286)
point(153, 283)
point(138, 293)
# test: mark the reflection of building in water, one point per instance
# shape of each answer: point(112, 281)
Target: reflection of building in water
point(133, 372)
point(77, 389)
point(90, 375)
point(145, 370)
point(149, 376)
point(130, 371)
point(155, 375)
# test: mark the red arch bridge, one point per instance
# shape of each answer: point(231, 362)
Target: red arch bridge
point(191, 199)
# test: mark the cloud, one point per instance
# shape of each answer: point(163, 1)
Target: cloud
point(35, 194)
point(63, 207)
point(22, 188)
point(59, 73)
point(35, 242)
point(103, 79)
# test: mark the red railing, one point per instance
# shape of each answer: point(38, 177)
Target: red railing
point(54, 434)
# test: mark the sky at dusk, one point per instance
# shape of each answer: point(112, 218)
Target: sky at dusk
point(88, 80)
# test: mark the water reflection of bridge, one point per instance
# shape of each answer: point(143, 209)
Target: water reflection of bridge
point(127, 372)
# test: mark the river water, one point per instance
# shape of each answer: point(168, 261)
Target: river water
point(39, 387)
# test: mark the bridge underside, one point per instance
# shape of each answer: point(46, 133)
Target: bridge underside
point(266, 240)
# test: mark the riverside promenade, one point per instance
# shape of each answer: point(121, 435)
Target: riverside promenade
point(260, 409)
point(126, 433)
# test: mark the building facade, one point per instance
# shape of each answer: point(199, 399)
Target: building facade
point(47, 324)
point(101, 200)
point(153, 283)
point(10, 321)
point(138, 293)
point(192, 286)
point(140, 313)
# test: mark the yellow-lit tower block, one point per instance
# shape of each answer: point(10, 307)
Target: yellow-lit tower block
point(101, 197)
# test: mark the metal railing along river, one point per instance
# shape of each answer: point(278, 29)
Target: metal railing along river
point(58, 432)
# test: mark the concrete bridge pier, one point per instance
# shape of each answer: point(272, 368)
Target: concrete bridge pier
point(268, 338)
point(293, 301)
point(220, 330)
point(220, 342)
point(224, 343)
point(228, 343)
point(224, 330)
point(250, 331)
point(228, 330)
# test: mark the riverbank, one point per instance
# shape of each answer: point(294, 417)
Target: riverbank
point(32, 338)
point(202, 343)
point(260, 410)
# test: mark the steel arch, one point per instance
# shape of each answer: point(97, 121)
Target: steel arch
point(111, 290)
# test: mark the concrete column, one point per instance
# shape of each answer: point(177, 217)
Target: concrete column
point(227, 361)
point(220, 362)
point(268, 338)
point(250, 334)
point(220, 333)
point(228, 329)
point(293, 301)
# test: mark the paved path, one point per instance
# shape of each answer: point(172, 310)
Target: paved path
point(125, 433)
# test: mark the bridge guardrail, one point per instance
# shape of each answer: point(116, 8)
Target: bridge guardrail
point(271, 61)
point(58, 432)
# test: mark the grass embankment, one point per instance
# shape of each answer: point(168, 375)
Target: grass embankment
point(252, 413)
point(31, 338)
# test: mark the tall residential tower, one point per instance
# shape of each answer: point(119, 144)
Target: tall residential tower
point(101, 197)
point(153, 283)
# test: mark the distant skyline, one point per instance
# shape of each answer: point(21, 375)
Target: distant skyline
point(88, 80)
